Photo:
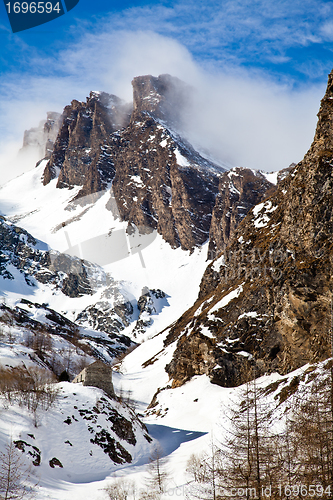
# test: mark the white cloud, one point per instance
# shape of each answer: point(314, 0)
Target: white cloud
point(252, 122)
point(13, 163)
point(327, 30)
point(234, 30)
point(244, 118)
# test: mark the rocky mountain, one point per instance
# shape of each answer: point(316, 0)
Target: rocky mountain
point(266, 301)
point(160, 183)
point(144, 158)
point(79, 283)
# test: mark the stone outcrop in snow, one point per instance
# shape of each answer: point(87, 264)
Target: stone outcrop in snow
point(239, 190)
point(91, 434)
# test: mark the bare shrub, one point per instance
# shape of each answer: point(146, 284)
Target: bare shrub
point(16, 481)
point(33, 388)
point(121, 489)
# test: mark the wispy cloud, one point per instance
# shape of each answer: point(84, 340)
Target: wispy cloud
point(249, 32)
point(248, 110)
point(244, 119)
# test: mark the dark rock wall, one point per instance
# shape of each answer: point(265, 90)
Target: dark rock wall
point(151, 189)
point(239, 190)
point(164, 97)
point(274, 280)
point(81, 150)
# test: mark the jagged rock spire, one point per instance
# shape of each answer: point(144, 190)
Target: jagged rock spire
point(164, 97)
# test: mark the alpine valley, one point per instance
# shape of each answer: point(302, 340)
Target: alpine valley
point(128, 245)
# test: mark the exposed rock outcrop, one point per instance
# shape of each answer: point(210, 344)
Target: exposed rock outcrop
point(22, 258)
point(239, 190)
point(21, 251)
point(162, 183)
point(266, 301)
point(149, 303)
point(164, 97)
point(80, 155)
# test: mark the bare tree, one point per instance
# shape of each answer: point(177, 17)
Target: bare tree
point(157, 476)
point(41, 343)
point(205, 472)
point(250, 451)
point(2, 333)
point(121, 489)
point(33, 388)
point(311, 435)
point(16, 481)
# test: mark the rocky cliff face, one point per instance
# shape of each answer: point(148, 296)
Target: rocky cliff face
point(158, 180)
point(163, 184)
point(164, 97)
point(239, 190)
point(266, 301)
point(26, 261)
point(21, 252)
point(80, 156)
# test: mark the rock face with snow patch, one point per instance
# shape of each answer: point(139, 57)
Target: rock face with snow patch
point(159, 181)
point(165, 97)
point(21, 252)
point(266, 302)
point(23, 260)
point(53, 340)
point(102, 316)
point(149, 303)
point(239, 190)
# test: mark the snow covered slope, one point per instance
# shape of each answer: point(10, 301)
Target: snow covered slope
point(50, 215)
point(92, 436)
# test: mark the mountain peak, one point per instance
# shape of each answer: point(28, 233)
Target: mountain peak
point(322, 144)
point(164, 97)
point(158, 180)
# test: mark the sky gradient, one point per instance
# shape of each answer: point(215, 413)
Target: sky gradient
point(259, 66)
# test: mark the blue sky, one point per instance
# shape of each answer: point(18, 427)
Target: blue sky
point(260, 67)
